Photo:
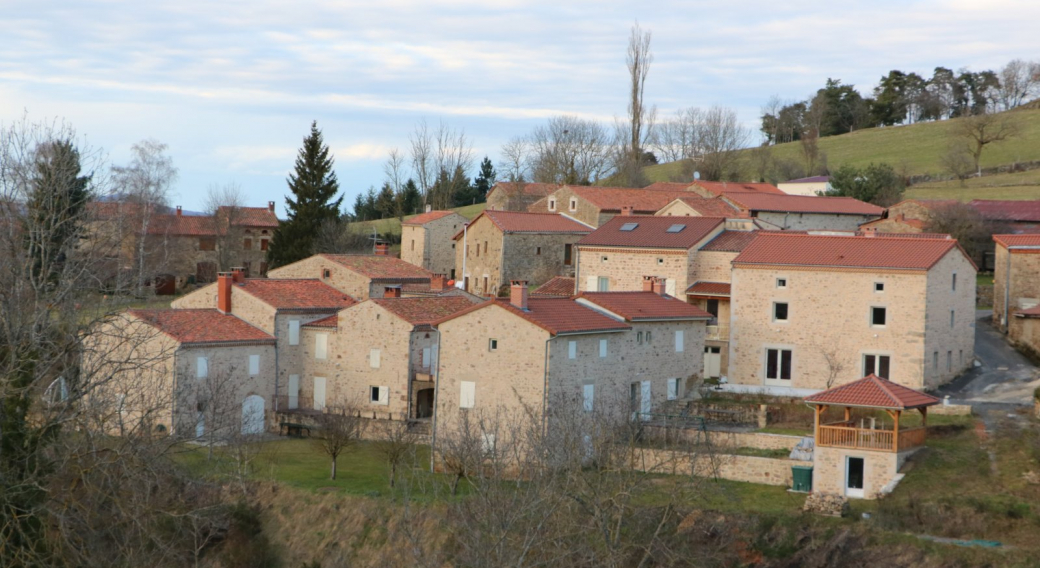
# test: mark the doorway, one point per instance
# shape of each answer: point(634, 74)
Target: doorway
point(712, 361)
point(253, 415)
point(424, 403)
point(854, 468)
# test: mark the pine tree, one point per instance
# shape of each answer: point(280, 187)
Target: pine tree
point(411, 198)
point(314, 187)
point(484, 180)
point(359, 208)
point(386, 203)
point(56, 202)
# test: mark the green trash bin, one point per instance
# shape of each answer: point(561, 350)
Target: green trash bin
point(802, 478)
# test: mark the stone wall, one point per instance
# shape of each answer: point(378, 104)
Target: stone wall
point(984, 296)
point(879, 468)
point(724, 441)
point(950, 410)
point(815, 221)
point(1025, 280)
point(479, 254)
point(950, 319)
point(536, 257)
point(431, 245)
point(749, 469)
point(625, 268)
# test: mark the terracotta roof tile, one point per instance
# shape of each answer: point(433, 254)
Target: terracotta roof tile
point(182, 225)
point(776, 248)
point(557, 286)
point(652, 232)
point(755, 201)
point(260, 217)
point(524, 222)
point(328, 321)
point(730, 241)
point(200, 326)
point(615, 198)
point(1033, 312)
point(669, 186)
point(1018, 240)
point(422, 312)
point(641, 306)
point(709, 207)
point(380, 268)
point(555, 315)
point(1007, 210)
point(296, 294)
point(423, 218)
point(875, 392)
point(727, 187)
point(703, 288)
point(527, 189)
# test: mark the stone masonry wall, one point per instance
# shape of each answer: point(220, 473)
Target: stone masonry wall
point(815, 221)
point(483, 263)
point(829, 468)
point(534, 257)
point(1025, 280)
point(340, 277)
point(626, 268)
point(749, 469)
point(952, 346)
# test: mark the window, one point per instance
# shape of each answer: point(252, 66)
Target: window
point(712, 307)
point(538, 251)
point(373, 358)
point(467, 394)
point(326, 273)
point(953, 283)
point(207, 243)
point(263, 244)
point(669, 286)
point(247, 244)
point(673, 389)
point(781, 283)
point(552, 205)
point(602, 260)
point(877, 316)
point(779, 311)
point(952, 317)
point(588, 395)
point(201, 367)
point(478, 250)
point(629, 227)
point(949, 361)
point(485, 284)
point(604, 284)
point(492, 345)
point(960, 357)
point(574, 204)
point(294, 332)
point(254, 364)
point(935, 360)
point(877, 365)
point(660, 261)
point(413, 244)
point(879, 286)
point(602, 347)
point(567, 252)
point(572, 349)
point(778, 364)
point(321, 346)
point(680, 344)
point(639, 338)
point(647, 336)
point(426, 355)
point(485, 248)
point(677, 228)
point(379, 395)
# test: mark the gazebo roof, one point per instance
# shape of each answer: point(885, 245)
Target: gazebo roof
point(873, 392)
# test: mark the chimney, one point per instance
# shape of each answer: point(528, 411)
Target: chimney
point(179, 212)
point(438, 282)
point(900, 217)
point(626, 211)
point(870, 231)
point(270, 206)
point(392, 291)
point(429, 207)
point(659, 286)
point(224, 280)
point(518, 293)
point(382, 249)
point(648, 283)
point(238, 274)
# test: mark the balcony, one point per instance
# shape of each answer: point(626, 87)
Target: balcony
point(847, 435)
point(423, 378)
point(717, 332)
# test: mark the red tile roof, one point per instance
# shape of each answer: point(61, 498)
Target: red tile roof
point(260, 217)
point(753, 201)
point(556, 286)
point(555, 315)
point(524, 222)
point(873, 392)
point(615, 198)
point(1018, 240)
point(182, 225)
point(422, 312)
point(293, 294)
point(643, 306)
point(1033, 312)
point(423, 218)
point(709, 207)
point(652, 232)
point(669, 186)
point(1007, 210)
point(381, 268)
point(202, 326)
point(527, 189)
point(730, 241)
point(727, 187)
point(776, 248)
point(328, 321)
point(702, 288)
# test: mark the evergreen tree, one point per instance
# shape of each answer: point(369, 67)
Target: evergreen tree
point(386, 202)
point(58, 195)
point(410, 198)
point(359, 208)
point(314, 187)
point(485, 180)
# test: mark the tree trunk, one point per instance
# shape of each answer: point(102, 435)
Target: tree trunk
point(333, 476)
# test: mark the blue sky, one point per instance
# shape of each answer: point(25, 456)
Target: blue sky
point(232, 86)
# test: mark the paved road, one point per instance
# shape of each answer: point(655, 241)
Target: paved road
point(1003, 376)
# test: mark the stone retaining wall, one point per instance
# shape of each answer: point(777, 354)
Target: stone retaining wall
point(950, 410)
point(750, 469)
point(755, 440)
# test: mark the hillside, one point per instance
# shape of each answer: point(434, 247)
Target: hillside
point(912, 150)
point(393, 226)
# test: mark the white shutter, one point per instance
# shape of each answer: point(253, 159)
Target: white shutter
point(588, 396)
point(373, 358)
point(669, 286)
point(201, 367)
point(680, 345)
point(254, 364)
point(591, 284)
point(572, 349)
point(294, 332)
point(321, 346)
point(384, 395)
point(294, 391)
point(602, 347)
point(673, 389)
point(467, 394)
point(426, 357)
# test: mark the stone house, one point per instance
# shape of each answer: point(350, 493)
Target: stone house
point(191, 372)
point(814, 185)
point(558, 286)
point(627, 352)
point(697, 206)
point(357, 275)
point(427, 241)
point(595, 206)
point(809, 310)
point(500, 246)
point(907, 216)
point(1011, 216)
point(513, 196)
point(1016, 278)
point(804, 213)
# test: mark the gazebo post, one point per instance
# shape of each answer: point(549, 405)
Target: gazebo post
point(819, 415)
point(848, 414)
point(924, 416)
point(895, 430)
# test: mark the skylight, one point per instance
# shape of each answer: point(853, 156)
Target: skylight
point(676, 228)
point(629, 226)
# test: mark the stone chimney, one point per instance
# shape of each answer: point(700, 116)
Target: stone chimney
point(870, 232)
point(626, 211)
point(518, 293)
point(438, 282)
point(659, 286)
point(179, 211)
point(900, 217)
point(428, 208)
point(224, 280)
point(392, 291)
point(238, 275)
point(648, 283)
point(382, 249)
point(270, 206)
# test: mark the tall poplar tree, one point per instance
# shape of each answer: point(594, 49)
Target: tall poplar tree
point(312, 202)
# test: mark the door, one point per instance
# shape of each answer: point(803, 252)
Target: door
point(644, 400)
point(424, 403)
point(253, 415)
point(712, 361)
point(200, 425)
point(294, 391)
point(319, 393)
point(854, 477)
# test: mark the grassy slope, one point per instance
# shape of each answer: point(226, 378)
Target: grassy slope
point(1021, 185)
point(393, 226)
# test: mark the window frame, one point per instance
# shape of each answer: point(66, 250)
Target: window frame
point(787, 312)
point(873, 316)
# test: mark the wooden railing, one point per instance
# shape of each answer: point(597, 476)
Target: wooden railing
point(846, 436)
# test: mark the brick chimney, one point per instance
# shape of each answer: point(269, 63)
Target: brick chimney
point(626, 211)
point(392, 291)
point(900, 217)
point(382, 249)
point(238, 275)
point(648, 283)
point(438, 282)
point(870, 231)
point(224, 280)
point(518, 293)
point(179, 211)
point(270, 206)
point(659, 286)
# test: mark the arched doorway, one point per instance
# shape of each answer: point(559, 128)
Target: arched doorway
point(253, 414)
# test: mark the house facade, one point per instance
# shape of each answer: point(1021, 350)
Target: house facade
point(517, 196)
point(807, 311)
point(804, 213)
point(595, 206)
point(427, 241)
point(815, 185)
point(357, 275)
point(1016, 277)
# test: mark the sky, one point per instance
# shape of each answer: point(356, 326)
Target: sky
point(232, 87)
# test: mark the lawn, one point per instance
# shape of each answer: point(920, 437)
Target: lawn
point(1011, 186)
point(393, 226)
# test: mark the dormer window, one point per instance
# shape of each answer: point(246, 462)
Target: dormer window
point(574, 204)
point(552, 205)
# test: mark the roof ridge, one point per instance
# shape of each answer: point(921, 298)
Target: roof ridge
point(881, 385)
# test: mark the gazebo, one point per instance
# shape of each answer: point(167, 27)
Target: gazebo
point(860, 459)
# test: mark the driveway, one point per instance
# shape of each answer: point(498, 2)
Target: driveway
point(1002, 375)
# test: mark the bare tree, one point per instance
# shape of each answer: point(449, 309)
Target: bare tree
point(422, 156)
point(721, 137)
point(569, 150)
point(224, 206)
point(340, 430)
point(810, 149)
point(981, 130)
point(957, 161)
point(963, 222)
point(340, 237)
point(678, 138)
point(394, 169)
point(1019, 82)
point(640, 118)
point(395, 442)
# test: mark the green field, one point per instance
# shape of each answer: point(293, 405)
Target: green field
point(1020, 185)
point(393, 226)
